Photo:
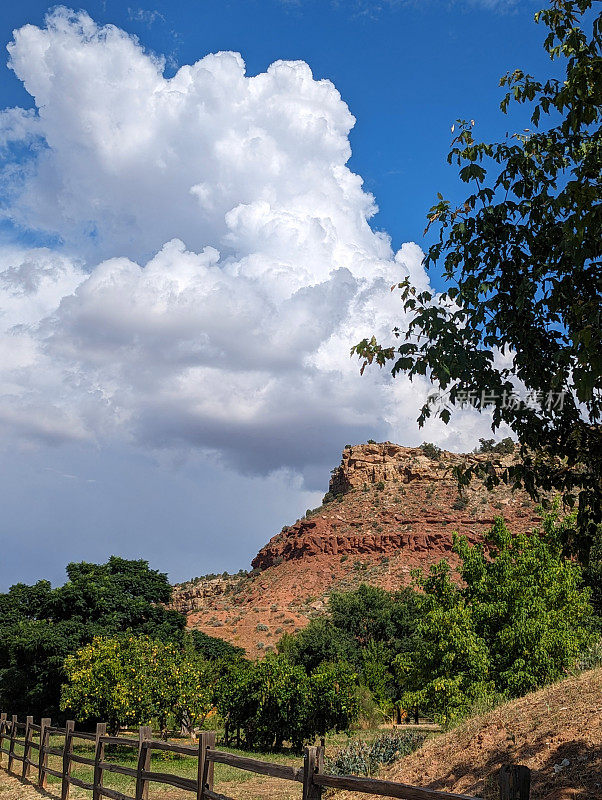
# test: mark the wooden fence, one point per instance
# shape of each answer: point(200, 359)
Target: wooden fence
point(514, 780)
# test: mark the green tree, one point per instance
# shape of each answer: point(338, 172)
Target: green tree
point(214, 649)
point(519, 619)
point(319, 642)
point(133, 680)
point(522, 255)
point(367, 628)
point(269, 702)
point(370, 614)
point(333, 703)
point(275, 701)
point(40, 626)
point(450, 669)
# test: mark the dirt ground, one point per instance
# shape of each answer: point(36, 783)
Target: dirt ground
point(257, 788)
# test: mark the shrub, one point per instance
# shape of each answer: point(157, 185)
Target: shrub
point(365, 758)
point(460, 503)
point(431, 450)
point(380, 486)
point(592, 657)
point(505, 447)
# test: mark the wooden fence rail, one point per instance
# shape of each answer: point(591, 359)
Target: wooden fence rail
point(514, 780)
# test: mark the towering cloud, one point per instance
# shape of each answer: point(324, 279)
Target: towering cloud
point(212, 259)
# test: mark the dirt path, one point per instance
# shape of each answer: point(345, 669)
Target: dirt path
point(13, 788)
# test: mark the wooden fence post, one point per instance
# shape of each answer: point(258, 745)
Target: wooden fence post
point(43, 755)
point(2, 727)
point(11, 746)
point(205, 767)
point(144, 756)
point(27, 747)
point(311, 761)
point(320, 756)
point(99, 757)
point(67, 748)
point(515, 782)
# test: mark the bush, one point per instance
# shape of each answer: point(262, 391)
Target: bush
point(431, 450)
point(505, 447)
point(365, 758)
point(592, 657)
point(460, 503)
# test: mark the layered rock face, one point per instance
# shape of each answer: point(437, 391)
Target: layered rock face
point(417, 511)
point(390, 509)
point(196, 594)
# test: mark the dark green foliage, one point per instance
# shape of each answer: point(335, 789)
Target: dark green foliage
point(275, 701)
point(370, 614)
point(431, 450)
point(40, 626)
point(320, 641)
point(505, 447)
point(520, 619)
point(213, 648)
point(522, 256)
point(367, 627)
point(365, 758)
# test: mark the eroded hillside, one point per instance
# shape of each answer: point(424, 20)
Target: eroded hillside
point(389, 510)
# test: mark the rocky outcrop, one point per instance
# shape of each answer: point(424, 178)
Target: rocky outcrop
point(193, 595)
point(366, 464)
point(422, 519)
point(390, 509)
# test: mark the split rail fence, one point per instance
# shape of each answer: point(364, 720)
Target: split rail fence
point(514, 780)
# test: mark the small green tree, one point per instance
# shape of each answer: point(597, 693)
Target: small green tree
point(133, 680)
point(519, 619)
point(272, 698)
point(333, 698)
point(450, 667)
point(109, 679)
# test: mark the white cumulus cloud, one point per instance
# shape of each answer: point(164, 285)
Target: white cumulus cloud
point(214, 264)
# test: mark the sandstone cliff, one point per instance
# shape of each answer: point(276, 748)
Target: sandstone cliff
point(389, 510)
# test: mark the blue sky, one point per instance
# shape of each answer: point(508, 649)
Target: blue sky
point(185, 264)
point(407, 70)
